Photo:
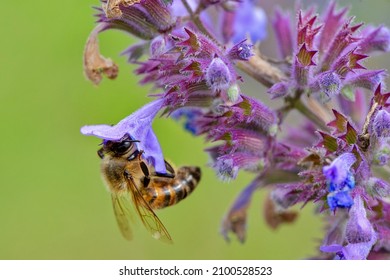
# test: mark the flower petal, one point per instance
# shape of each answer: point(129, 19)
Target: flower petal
point(139, 127)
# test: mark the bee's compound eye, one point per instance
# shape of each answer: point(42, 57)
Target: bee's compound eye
point(121, 147)
point(133, 155)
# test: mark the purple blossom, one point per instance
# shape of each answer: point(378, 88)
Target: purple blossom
point(327, 54)
point(340, 181)
point(337, 172)
point(339, 199)
point(360, 235)
point(241, 51)
point(330, 85)
point(192, 63)
point(284, 34)
point(218, 75)
point(376, 39)
point(381, 124)
point(251, 21)
point(139, 127)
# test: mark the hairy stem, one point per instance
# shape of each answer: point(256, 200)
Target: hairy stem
point(364, 137)
point(261, 70)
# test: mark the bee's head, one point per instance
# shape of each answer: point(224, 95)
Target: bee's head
point(124, 147)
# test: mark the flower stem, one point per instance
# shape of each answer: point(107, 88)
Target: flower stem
point(304, 110)
point(261, 70)
point(195, 18)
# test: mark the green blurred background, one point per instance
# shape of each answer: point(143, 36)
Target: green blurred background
point(53, 204)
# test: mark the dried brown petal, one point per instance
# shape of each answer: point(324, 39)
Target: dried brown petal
point(275, 217)
point(94, 63)
point(236, 222)
point(111, 7)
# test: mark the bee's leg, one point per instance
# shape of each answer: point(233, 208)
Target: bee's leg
point(170, 172)
point(163, 175)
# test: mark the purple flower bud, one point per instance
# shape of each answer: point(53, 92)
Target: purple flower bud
point(375, 39)
point(240, 51)
point(218, 75)
point(378, 187)
point(368, 79)
point(226, 170)
point(253, 111)
point(279, 90)
point(227, 166)
point(241, 139)
point(283, 33)
point(381, 124)
point(139, 127)
point(337, 171)
point(382, 154)
point(330, 85)
point(157, 46)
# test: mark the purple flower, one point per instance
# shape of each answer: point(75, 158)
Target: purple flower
point(227, 166)
point(190, 116)
point(360, 235)
point(191, 62)
point(241, 51)
point(139, 127)
point(283, 33)
point(339, 199)
point(218, 75)
point(330, 84)
point(327, 54)
point(376, 39)
point(382, 124)
point(249, 20)
point(338, 171)
point(279, 90)
point(340, 181)
point(145, 19)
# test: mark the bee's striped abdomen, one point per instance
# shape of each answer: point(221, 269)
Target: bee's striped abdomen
point(163, 192)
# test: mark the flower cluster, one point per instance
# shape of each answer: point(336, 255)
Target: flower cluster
point(327, 54)
point(192, 61)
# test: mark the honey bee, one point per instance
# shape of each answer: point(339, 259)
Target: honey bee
point(132, 181)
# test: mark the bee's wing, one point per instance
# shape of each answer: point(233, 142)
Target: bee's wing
point(147, 215)
point(123, 216)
